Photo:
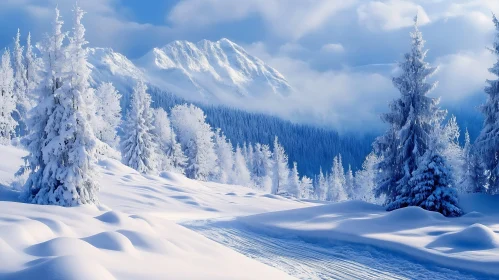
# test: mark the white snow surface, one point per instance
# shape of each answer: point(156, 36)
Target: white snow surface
point(137, 233)
point(132, 235)
point(220, 72)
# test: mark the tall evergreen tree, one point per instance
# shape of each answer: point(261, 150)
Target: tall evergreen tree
point(411, 120)
point(225, 158)
point(487, 143)
point(280, 171)
point(475, 176)
point(432, 184)
point(242, 175)
point(170, 156)
point(350, 183)
point(365, 179)
point(262, 166)
point(7, 100)
point(108, 114)
point(138, 146)
point(294, 182)
point(306, 188)
point(197, 140)
point(33, 68)
point(337, 181)
point(23, 104)
point(69, 148)
point(322, 186)
point(39, 136)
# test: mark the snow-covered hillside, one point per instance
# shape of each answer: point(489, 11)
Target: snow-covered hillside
point(220, 72)
point(139, 232)
point(132, 235)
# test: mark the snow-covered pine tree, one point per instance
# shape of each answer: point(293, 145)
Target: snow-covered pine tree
point(411, 119)
point(453, 152)
point(306, 188)
point(68, 150)
point(242, 175)
point(196, 139)
point(280, 171)
point(250, 158)
point(225, 158)
point(337, 181)
point(138, 145)
point(262, 167)
point(474, 179)
point(365, 180)
point(39, 134)
point(23, 104)
point(432, 184)
point(108, 114)
point(33, 67)
point(7, 100)
point(294, 182)
point(350, 183)
point(322, 186)
point(487, 143)
point(170, 155)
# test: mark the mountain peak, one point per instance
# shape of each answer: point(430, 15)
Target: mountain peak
point(220, 70)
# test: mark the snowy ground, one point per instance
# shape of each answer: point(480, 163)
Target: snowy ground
point(160, 228)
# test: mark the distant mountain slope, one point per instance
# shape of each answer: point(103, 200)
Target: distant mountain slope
point(219, 71)
point(180, 73)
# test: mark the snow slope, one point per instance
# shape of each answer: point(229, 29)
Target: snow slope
point(220, 72)
point(470, 242)
point(132, 235)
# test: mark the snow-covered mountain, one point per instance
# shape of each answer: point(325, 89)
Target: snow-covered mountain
point(219, 72)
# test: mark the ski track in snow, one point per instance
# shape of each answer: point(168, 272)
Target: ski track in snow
point(315, 261)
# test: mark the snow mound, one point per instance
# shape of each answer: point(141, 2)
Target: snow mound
point(112, 217)
point(111, 241)
point(472, 238)
point(413, 214)
point(145, 242)
point(63, 268)
point(61, 246)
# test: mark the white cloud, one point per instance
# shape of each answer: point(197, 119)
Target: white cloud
point(390, 14)
point(463, 74)
point(290, 19)
point(333, 48)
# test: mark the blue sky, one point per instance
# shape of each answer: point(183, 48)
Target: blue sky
point(339, 54)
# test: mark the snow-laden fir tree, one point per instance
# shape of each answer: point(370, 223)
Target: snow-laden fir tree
point(349, 183)
point(322, 186)
point(411, 120)
point(365, 180)
point(250, 157)
point(7, 100)
point(262, 167)
point(33, 67)
point(108, 114)
point(487, 143)
point(23, 104)
point(280, 171)
point(306, 188)
point(196, 138)
point(51, 80)
point(241, 173)
point(432, 184)
point(453, 152)
point(474, 179)
point(138, 145)
point(336, 183)
point(170, 156)
point(225, 158)
point(69, 147)
point(294, 181)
